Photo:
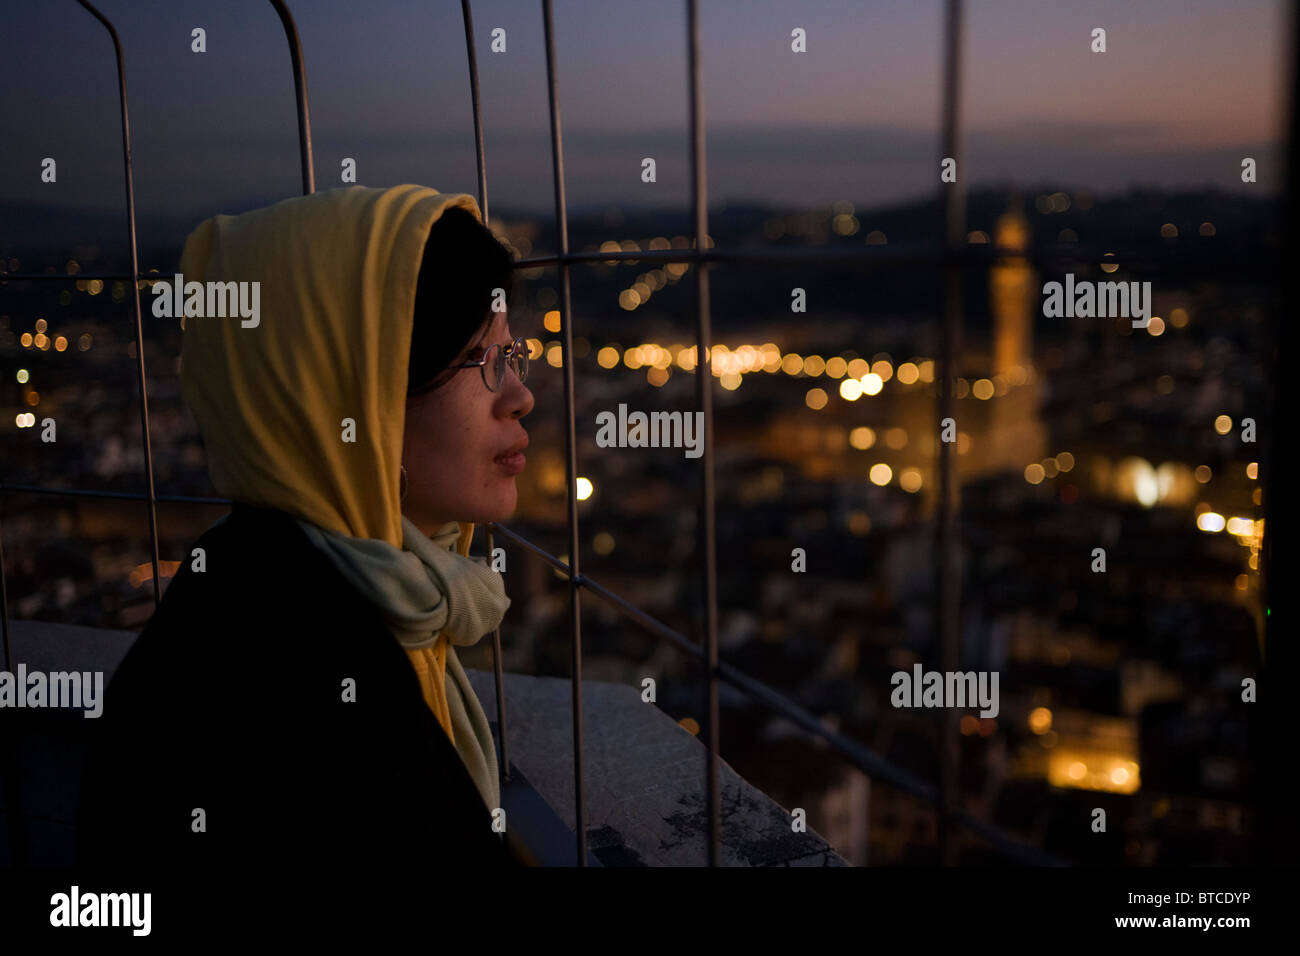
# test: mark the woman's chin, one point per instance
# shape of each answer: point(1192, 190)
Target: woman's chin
point(501, 508)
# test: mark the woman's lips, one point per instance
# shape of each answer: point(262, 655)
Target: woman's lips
point(512, 463)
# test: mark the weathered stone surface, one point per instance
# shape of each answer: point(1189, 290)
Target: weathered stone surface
point(643, 779)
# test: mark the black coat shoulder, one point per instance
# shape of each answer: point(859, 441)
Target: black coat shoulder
point(232, 702)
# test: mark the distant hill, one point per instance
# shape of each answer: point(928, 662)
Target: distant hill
point(42, 235)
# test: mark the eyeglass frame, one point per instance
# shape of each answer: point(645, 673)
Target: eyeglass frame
point(518, 347)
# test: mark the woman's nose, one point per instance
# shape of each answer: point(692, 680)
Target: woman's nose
point(518, 395)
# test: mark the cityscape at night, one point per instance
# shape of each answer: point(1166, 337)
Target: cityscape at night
point(1024, 428)
point(1073, 435)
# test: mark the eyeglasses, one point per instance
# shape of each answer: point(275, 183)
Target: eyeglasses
point(494, 362)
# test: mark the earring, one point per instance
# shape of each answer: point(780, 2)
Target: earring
point(404, 484)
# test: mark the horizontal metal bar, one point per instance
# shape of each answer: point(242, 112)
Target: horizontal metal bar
point(124, 495)
point(67, 276)
point(894, 254)
point(927, 253)
point(650, 624)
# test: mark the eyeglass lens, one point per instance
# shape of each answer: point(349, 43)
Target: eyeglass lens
point(518, 360)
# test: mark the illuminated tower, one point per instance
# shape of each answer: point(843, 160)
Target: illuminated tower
point(1016, 436)
point(1011, 287)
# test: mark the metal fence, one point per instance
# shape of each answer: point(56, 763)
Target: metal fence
point(952, 255)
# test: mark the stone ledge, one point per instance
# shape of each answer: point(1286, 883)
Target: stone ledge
point(643, 779)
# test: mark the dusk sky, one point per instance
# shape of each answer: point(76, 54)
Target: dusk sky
point(1185, 89)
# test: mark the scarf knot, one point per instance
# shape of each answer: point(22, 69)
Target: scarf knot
point(424, 589)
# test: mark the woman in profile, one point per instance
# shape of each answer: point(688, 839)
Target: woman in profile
point(296, 698)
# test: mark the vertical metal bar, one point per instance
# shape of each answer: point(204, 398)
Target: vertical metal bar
point(570, 440)
point(467, 16)
point(300, 93)
point(948, 584)
point(1275, 790)
point(135, 298)
point(703, 383)
point(478, 116)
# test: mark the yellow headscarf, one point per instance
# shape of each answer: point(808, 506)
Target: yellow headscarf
point(327, 360)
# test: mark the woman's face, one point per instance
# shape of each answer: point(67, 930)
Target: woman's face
point(453, 436)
